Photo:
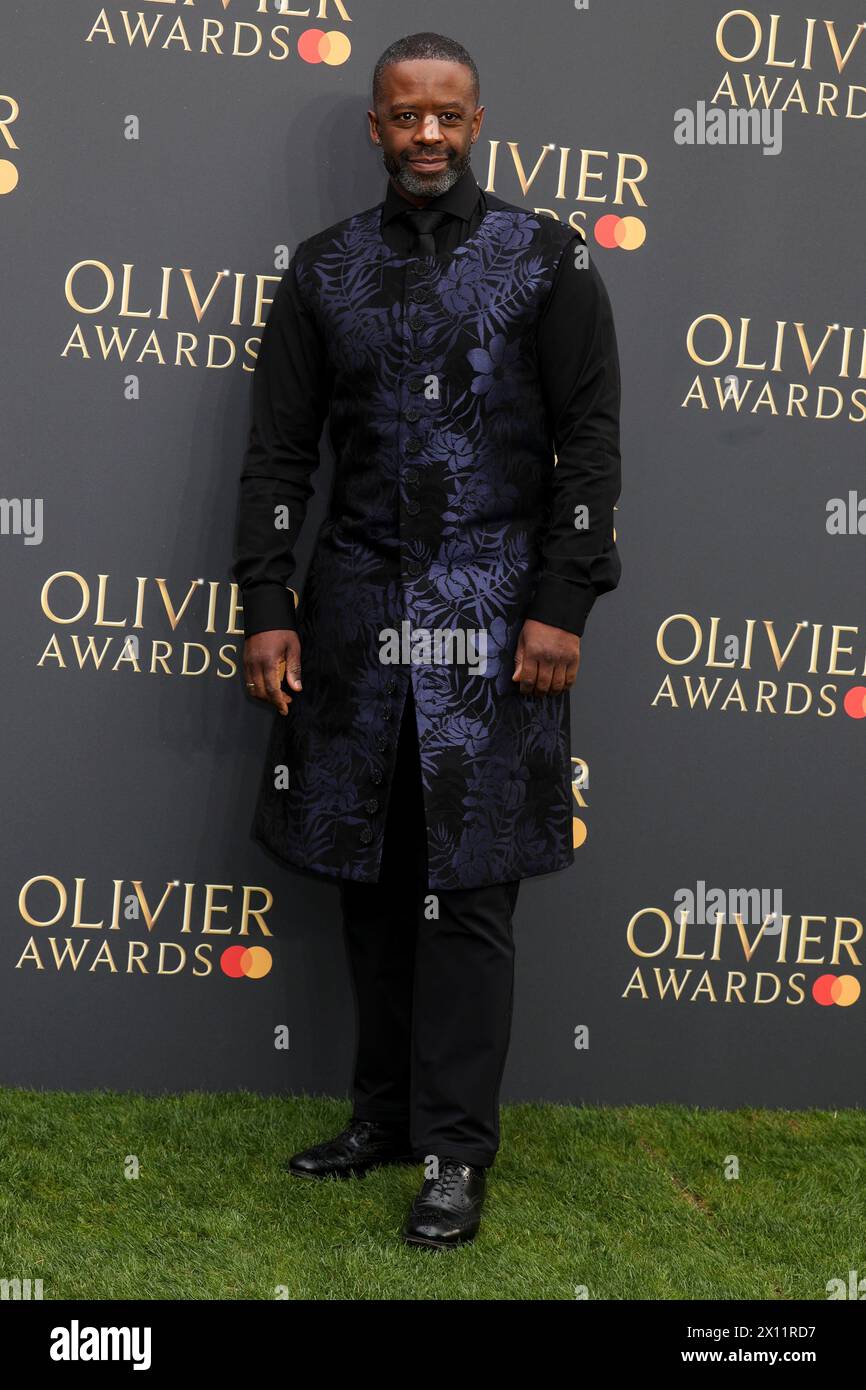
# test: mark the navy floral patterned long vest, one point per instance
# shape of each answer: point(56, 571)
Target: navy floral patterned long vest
point(443, 466)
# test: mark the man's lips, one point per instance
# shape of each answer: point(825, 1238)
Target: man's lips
point(427, 163)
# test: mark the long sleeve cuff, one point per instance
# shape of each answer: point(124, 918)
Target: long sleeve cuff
point(562, 603)
point(266, 607)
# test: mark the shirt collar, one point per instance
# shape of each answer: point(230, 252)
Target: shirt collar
point(460, 200)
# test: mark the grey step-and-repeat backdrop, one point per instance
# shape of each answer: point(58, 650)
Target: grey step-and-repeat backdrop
point(159, 162)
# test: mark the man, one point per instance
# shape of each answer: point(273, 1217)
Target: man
point(453, 340)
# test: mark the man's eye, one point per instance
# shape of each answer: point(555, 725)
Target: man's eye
point(450, 116)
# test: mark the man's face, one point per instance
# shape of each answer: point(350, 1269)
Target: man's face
point(426, 121)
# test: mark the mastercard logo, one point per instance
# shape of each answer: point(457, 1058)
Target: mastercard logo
point(836, 989)
point(253, 962)
point(8, 176)
point(627, 233)
point(319, 46)
point(579, 774)
point(854, 703)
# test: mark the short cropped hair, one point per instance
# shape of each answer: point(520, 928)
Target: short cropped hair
point(425, 45)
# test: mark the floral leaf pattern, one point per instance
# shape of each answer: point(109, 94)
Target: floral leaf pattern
point(436, 517)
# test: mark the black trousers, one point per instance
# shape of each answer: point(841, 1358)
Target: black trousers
point(433, 973)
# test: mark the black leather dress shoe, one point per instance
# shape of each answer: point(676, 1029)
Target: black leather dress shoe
point(447, 1210)
point(362, 1145)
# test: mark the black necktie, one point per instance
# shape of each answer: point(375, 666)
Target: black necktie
point(424, 222)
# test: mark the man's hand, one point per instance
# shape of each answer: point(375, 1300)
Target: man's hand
point(546, 659)
point(268, 658)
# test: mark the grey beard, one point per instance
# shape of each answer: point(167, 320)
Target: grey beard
point(426, 185)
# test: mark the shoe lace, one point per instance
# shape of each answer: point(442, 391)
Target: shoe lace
point(450, 1171)
point(344, 1139)
point(357, 1127)
point(354, 1129)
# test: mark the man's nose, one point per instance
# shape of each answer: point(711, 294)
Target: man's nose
point(430, 131)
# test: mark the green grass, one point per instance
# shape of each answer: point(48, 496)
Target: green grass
point(632, 1203)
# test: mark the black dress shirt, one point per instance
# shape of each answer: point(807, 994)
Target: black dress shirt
point(579, 369)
